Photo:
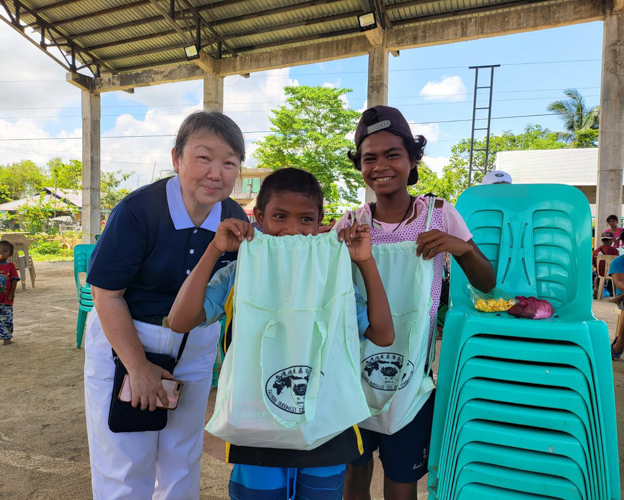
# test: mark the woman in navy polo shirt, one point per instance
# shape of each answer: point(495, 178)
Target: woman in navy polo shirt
point(152, 241)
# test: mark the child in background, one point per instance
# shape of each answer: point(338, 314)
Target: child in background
point(290, 202)
point(8, 280)
point(387, 154)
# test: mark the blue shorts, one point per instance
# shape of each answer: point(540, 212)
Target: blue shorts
point(278, 483)
point(6, 321)
point(404, 454)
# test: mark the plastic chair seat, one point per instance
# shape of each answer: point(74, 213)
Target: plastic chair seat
point(528, 461)
point(474, 491)
point(527, 482)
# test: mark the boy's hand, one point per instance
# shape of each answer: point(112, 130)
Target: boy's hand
point(230, 234)
point(433, 242)
point(357, 238)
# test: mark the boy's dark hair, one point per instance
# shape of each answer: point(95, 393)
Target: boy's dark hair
point(612, 217)
point(8, 244)
point(293, 180)
point(415, 146)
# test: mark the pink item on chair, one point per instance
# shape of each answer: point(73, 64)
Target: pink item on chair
point(531, 308)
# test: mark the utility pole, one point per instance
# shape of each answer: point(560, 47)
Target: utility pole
point(490, 87)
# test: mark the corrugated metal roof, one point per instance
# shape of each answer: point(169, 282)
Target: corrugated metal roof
point(128, 34)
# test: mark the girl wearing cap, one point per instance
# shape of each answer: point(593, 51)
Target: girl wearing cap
point(387, 154)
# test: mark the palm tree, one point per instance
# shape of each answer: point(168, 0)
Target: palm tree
point(581, 122)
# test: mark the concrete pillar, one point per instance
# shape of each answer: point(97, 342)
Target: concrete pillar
point(377, 88)
point(91, 208)
point(213, 92)
point(611, 137)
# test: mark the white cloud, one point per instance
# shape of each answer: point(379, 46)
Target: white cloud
point(436, 163)
point(431, 131)
point(451, 89)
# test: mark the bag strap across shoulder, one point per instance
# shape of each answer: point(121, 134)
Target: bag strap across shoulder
point(180, 351)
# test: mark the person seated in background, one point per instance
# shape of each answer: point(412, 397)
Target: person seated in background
point(613, 228)
point(606, 248)
point(616, 270)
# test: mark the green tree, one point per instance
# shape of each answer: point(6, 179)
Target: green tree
point(65, 175)
point(37, 213)
point(454, 178)
point(310, 132)
point(22, 179)
point(5, 196)
point(580, 121)
point(69, 176)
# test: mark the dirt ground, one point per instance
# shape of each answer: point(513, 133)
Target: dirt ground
point(43, 442)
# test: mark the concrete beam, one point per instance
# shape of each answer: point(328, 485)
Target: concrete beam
point(375, 36)
point(504, 22)
point(611, 139)
point(91, 208)
point(81, 81)
point(213, 92)
point(294, 56)
point(145, 78)
point(377, 89)
point(205, 62)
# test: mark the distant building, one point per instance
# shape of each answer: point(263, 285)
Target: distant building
point(576, 167)
point(248, 184)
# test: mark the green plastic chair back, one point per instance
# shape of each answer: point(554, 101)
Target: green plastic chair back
point(483, 492)
point(540, 484)
point(528, 461)
point(82, 254)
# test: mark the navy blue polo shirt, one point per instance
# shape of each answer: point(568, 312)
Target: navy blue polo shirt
point(150, 245)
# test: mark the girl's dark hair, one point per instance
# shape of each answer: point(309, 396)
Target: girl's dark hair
point(216, 123)
point(415, 147)
point(8, 244)
point(291, 180)
point(612, 217)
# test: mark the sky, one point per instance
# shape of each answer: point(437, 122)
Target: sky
point(433, 86)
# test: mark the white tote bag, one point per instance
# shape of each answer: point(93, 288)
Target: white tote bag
point(291, 376)
point(394, 378)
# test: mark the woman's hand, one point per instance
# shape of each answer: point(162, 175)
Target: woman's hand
point(230, 234)
point(146, 385)
point(433, 242)
point(358, 240)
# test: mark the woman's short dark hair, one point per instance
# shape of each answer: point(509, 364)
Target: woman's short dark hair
point(612, 217)
point(291, 180)
point(216, 123)
point(415, 147)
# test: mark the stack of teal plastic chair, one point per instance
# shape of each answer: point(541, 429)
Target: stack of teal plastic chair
point(525, 408)
point(82, 255)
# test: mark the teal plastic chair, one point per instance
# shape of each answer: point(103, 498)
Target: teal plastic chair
point(538, 238)
point(514, 480)
point(548, 444)
point(517, 394)
point(528, 461)
point(484, 492)
point(82, 255)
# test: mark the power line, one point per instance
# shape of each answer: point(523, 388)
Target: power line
point(257, 131)
point(526, 63)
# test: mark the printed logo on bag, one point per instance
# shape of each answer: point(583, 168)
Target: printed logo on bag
point(382, 370)
point(287, 388)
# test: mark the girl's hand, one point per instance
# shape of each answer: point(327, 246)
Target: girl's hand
point(146, 385)
point(230, 234)
point(358, 240)
point(433, 242)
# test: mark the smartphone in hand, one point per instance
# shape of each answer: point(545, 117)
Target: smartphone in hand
point(173, 388)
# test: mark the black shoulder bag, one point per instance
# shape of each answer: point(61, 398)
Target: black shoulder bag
point(123, 417)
